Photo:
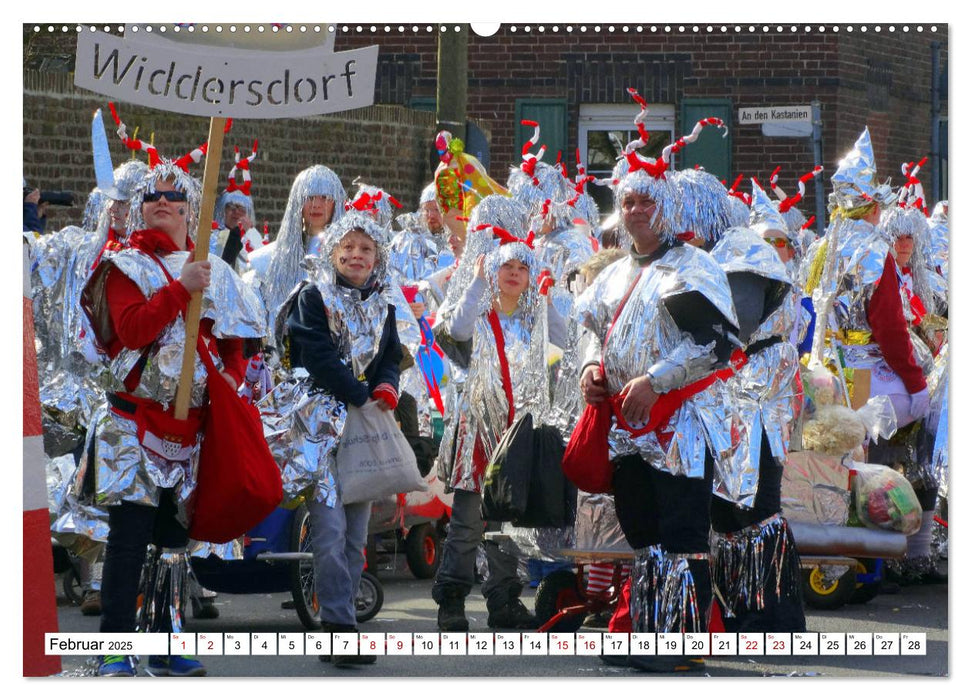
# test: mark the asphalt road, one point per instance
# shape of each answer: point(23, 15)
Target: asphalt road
point(408, 607)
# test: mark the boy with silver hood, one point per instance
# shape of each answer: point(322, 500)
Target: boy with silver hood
point(339, 336)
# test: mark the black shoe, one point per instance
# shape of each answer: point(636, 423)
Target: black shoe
point(344, 660)
point(451, 614)
point(513, 616)
point(665, 664)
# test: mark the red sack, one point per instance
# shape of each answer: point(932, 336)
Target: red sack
point(239, 482)
point(586, 461)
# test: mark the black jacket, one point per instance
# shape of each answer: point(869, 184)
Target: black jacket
point(313, 347)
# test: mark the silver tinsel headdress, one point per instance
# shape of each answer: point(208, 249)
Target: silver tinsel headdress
point(374, 201)
point(239, 189)
point(855, 180)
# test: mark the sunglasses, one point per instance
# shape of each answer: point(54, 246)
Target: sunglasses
point(171, 196)
point(778, 242)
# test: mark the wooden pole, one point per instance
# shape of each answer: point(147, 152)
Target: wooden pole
point(210, 179)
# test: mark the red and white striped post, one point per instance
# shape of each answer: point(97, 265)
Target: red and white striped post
point(40, 604)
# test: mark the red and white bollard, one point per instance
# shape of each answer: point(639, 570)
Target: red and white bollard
point(40, 604)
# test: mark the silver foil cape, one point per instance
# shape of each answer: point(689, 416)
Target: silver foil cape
point(278, 266)
point(482, 414)
point(303, 424)
point(228, 302)
point(937, 421)
point(69, 365)
point(862, 253)
point(644, 334)
point(126, 471)
point(763, 392)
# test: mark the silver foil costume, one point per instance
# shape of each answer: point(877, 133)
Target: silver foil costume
point(303, 424)
point(126, 471)
point(482, 414)
point(763, 391)
point(646, 335)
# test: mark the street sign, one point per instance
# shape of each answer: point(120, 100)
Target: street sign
point(225, 81)
point(760, 115)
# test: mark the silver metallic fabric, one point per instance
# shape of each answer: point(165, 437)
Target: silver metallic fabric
point(662, 593)
point(749, 563)
point(861, 254)
point(765, 214)
point(482, 414)
point(278, 268)
point(855, 180)
point(597, 528)
point(164, 588)
point(412, 252)
point(303, 424)
point(763, 392)
point(231, 304)
point(704, 206)
point(644, 335)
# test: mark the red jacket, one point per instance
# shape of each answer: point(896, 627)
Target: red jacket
point(138, 321)
point(885, 314)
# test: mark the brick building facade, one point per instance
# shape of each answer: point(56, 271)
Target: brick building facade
point(571, 79)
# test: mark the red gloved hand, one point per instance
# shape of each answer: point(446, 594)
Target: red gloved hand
point(386, 393)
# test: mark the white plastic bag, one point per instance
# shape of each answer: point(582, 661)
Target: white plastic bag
point(374, 459)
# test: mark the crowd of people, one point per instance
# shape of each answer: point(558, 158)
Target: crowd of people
point(689, 319)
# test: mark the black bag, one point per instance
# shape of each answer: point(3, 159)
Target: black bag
point(505, 486)
point(458, 351)
point(552, 497)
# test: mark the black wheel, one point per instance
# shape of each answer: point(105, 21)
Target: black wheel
point(823, 593)
point(559, 590)
point(423, 550)
point(370, 597)
point(865, 592)
point(71, 583)
point(302, 571)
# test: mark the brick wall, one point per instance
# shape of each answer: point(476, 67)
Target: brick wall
point(880, 79)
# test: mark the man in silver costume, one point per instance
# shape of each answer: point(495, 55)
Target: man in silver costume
point(656, 323)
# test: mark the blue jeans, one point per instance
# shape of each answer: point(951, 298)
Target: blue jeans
point(339, 536)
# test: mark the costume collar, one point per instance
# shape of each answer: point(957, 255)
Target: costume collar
point(152, 240)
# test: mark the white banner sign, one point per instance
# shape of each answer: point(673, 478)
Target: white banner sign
point(759, 115)
point(225, 82)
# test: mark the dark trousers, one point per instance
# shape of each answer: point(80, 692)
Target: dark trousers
point(131, 528)
point(654, 507)
point(657, 508)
